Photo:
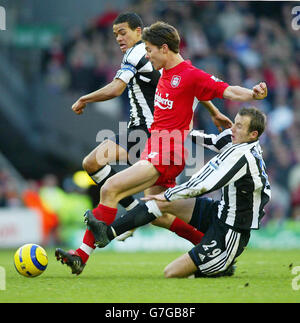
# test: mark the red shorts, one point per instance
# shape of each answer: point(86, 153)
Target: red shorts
point(168, 157)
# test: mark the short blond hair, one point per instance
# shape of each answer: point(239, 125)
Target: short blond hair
point(258, 119)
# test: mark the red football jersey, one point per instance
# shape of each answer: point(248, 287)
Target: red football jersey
point(175, 93)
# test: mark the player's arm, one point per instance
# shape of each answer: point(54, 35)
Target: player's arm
point(218, 118)
point(110, 91)
point(238, 93)
point(214, 175)
point(208, 87)
point(217, 143)
point(211, 177)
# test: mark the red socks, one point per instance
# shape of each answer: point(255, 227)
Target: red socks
point(186, 231)
point(101, 213)
point(105, 213)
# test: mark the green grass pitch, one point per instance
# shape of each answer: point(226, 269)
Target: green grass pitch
point(111, 277)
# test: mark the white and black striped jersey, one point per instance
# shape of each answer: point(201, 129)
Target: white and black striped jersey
point(239, 170)
point(141, 79)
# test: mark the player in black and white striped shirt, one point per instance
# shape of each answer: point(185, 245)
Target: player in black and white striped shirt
point(238, 170)
point(141, 79)
point(138, 75)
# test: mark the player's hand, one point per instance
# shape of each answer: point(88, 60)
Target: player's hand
point(221, 121)
point(78, 107)
point(260, 91)
point(158, 197)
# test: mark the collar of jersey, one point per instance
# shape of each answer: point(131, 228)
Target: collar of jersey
point(178, 67)
point(139, 42)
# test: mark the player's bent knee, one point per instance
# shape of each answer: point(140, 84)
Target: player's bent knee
point(163, 206)
point(90, 164)
point(164, 221)
point(109, 189)
point(105, 189)
point(85, 163)
point(169, 272)
point(100, 156)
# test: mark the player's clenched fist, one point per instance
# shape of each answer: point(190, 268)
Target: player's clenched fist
point(78, 107)
point(260, 91)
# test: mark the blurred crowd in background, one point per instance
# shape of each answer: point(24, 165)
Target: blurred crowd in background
point(60, 205)
point(238, 42)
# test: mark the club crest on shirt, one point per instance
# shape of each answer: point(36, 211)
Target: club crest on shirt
point(175, 81)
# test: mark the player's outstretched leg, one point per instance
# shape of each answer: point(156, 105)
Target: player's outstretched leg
point(71, 259)
point(98, 228)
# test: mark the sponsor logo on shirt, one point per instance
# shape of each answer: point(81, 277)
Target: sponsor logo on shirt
point(214, 164)
point(163, 103)
point(216, 79)
point(175, 81)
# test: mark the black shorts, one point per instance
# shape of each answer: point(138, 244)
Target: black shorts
point(133, 141)
point(221, 243)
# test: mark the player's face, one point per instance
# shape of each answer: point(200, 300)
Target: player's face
point(155, 55)
point(240, 130)
point(126, 37)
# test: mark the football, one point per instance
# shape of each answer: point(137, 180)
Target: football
point(30, 260)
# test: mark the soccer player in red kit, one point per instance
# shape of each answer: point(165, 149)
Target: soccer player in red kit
point(174, 98)
point(177, 88)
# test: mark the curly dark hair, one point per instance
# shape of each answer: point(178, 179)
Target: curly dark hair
point(134, 20)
